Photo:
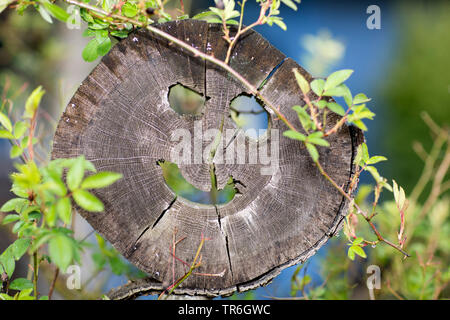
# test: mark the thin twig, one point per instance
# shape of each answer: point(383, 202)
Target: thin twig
point(52, 285)
point(360, 211)
point(35, 274)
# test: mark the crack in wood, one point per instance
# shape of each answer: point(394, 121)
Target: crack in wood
point(219, 218)
point(152, 226)
point(164, 211)
point(271, 73)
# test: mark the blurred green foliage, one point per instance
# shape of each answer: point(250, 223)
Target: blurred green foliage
point(417, 80)
point(29, 50)
point(423, 275)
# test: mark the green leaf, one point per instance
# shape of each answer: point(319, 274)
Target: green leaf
point(361, 112)
point(130, 9)
point(90, 52)
point(316, 138)
point(101, 35)
point(119, 33)
point(33, 102)
point(317, 86)
point(336, 108)
point(107, 5)
point(104, 47)
point(290, 4)
point(213, 20)
point(359, 124)
point(100, 180)
point(203, 15)
point(312, 151)
point(19, 129)
point(15, 152)
point(60, 249)
point(4, 296)
point(67, 163)
point(5, 122)
point(18, 226)
point(89, 166)
point(44, 14)
point(76, 173)
point(304, 118)
point(340, 91)
point(359, 251)
point(56, 11)
point(232, 22)
point(336, 78)
point(294, 135)
point(6, 135)
point(357, 241)
point(13, 204)
point(351, 253)
point(376, 159)
point(98, 25)
point(279, 22)
point(362, 155)
point(25, 294)
point(374, 172)
point(64, 209)
point(21, 284)
point(18, 191)
point(395, 190)
point(348, 97)
point(51, 215)
point(219, 12)
point(365, 152)
point(399, 195)
point(56, 185)
point(88, 201)
point(360, 98)
point(10, 218)
point(231, 15)
point(7, 262)
point(386, 185)
point(19, 247)
point(86, 16)
point(302, 82)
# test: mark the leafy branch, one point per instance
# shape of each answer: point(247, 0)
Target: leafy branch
point(43, 202)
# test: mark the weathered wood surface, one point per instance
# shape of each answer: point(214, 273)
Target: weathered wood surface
point(121, 120)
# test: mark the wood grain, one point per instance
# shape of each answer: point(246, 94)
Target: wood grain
point(121, 120)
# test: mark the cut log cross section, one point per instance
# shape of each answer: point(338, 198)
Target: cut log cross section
point(121, 120)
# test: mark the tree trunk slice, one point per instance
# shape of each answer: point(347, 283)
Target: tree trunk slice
point(121, 120)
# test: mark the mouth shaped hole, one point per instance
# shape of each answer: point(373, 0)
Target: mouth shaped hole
point(178, 184)
point(249, 115)
point(186, 101)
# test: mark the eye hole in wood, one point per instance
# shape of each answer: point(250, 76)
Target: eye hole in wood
point(249, 115)
point(178, 184)
point(186, 101)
